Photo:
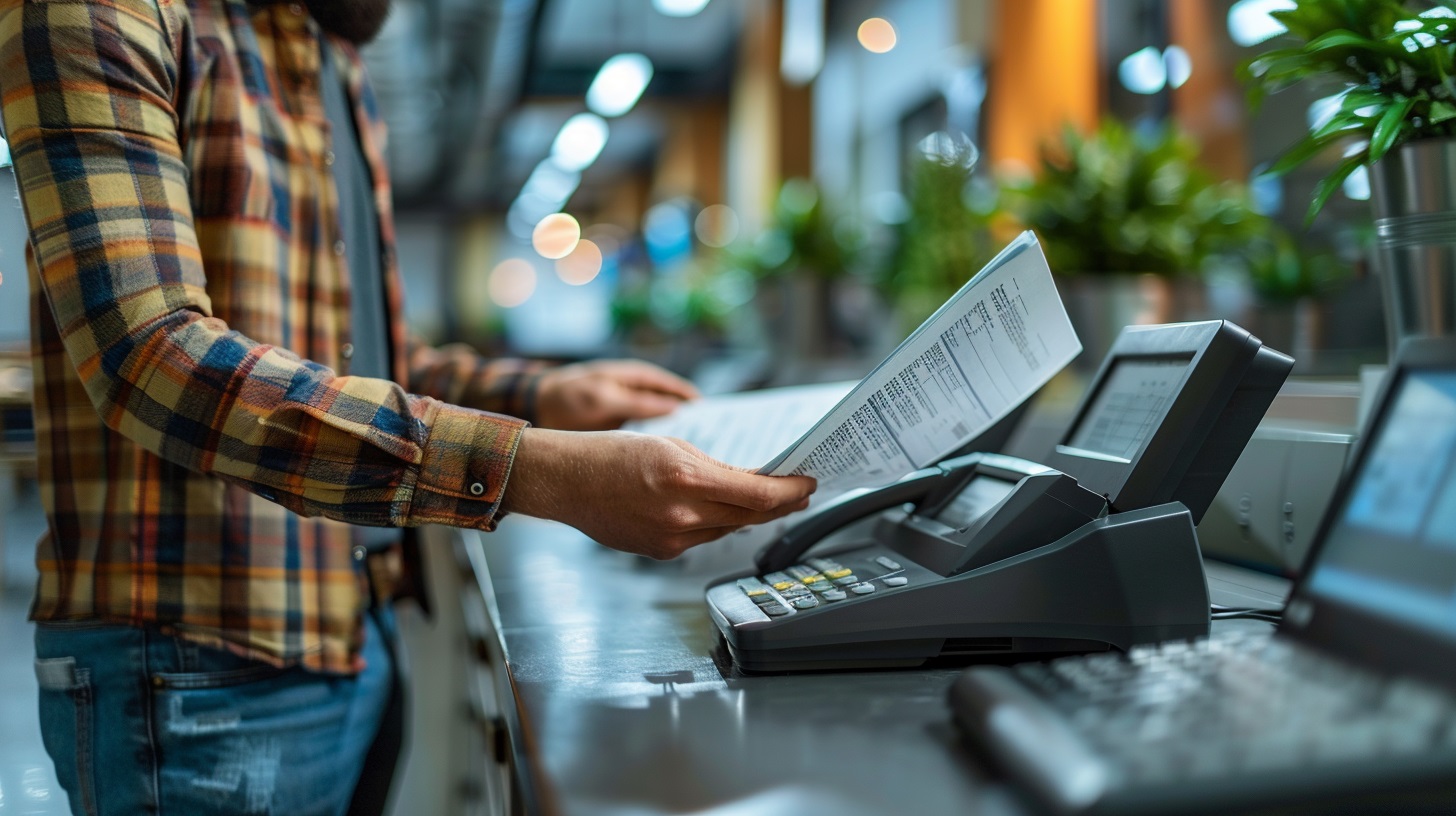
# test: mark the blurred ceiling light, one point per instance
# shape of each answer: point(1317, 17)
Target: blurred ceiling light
point(1143, 71)
point(1357, 185)
point(556, 235)
point(511, 283)
point(1178, 65)
point(877, 35)
point(1249, 22)
point(1322, 110)
point(582, 265)
point(717, 225)
point(552, 184)
point(803, 53)
point(580, 142)
point(679, 8)
point(619, 84)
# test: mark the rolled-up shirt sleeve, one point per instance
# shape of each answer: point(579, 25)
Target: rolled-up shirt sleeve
point(88, 92)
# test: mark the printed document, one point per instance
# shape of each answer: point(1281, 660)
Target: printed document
point(989, 348)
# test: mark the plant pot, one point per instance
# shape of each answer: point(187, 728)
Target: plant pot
point(1100, 305)
point(1413, 192)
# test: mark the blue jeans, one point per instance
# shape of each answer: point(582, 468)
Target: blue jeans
point(139, 722)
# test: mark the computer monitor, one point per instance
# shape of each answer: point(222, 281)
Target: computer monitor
point(1169, 412)
point(1382, 581)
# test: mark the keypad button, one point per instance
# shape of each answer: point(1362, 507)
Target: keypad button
point(834, 595)
point(887, 563)
point(774, 610)
point(806, 603)
point(847, 580)
point(764, 599)
point(897, 581)
point(822, 586)
point(782, 585)
point(862, 589)
point(836, 574)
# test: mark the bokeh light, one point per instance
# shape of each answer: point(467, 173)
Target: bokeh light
point(582, 265)
point(716, 225)
point(556, 235)
point(679, 8)
point(511, 283)
point(877, 35)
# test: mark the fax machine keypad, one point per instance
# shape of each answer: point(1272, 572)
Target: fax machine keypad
point(821, 581)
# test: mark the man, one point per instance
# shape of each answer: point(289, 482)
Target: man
point(223, 388)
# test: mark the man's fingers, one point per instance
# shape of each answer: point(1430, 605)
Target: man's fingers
point(755, 492)
point(648, 377)
point(644, 405)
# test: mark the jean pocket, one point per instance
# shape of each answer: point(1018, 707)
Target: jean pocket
point(222, 678)
point(66, 716)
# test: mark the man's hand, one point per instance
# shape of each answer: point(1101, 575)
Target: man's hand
point(643, 494)
point(601, 395)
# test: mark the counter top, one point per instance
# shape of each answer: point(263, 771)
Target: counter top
point(619, 697)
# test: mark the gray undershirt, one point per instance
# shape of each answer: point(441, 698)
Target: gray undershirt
point(359, 228)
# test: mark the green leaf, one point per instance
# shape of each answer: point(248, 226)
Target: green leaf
point(1441, 112)
point(1387, 130)
point(1329, 184)
point(1302, 151)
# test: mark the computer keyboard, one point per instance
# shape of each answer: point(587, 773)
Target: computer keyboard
point(1113, 726)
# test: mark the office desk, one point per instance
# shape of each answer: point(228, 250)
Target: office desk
point(604, 688)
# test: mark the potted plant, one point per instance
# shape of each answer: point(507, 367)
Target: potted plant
point(1392, 63)
point(801, 262)
point(944, 235)
point(1132, 223)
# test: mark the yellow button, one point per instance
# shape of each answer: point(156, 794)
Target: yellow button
point(838, 573)
point(783, 585)
point(812, 578)
point(752, 593)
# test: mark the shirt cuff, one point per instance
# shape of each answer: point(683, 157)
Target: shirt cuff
point(467, 461)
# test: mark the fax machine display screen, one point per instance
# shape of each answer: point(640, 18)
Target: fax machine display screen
point(1393, 548)
point(1129, 404)
point(979, 495)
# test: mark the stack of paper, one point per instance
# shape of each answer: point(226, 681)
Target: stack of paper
point(989, 348)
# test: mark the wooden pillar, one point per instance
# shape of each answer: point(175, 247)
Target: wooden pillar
point(1210, 105)
point(1044, 75)
point(770, 123)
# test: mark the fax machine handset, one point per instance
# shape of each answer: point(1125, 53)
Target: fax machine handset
point(1039, 506)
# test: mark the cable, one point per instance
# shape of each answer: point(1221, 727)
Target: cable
point(1266, 615)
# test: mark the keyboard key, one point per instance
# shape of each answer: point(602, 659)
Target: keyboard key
point(847, 580)
point(897, 581)
point(887, 563)
point(862, 588)
point(775, 609)
point(834, 595)
point(806, 603)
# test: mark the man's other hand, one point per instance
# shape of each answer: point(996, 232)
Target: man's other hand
point(601, 395)
point(643, 494)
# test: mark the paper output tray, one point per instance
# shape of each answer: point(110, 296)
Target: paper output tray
point(1123, 580)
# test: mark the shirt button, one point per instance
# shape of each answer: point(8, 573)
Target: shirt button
point(329, 158)
point(339, 247)
point(358, 552)
point(477, 489)
point(347, 351)
point(296, 9)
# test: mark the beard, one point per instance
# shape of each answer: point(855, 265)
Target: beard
point(357, 21)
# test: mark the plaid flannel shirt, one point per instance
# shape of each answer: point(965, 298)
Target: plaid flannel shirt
point(200, 441)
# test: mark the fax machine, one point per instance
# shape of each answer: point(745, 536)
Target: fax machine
point(986, 554)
